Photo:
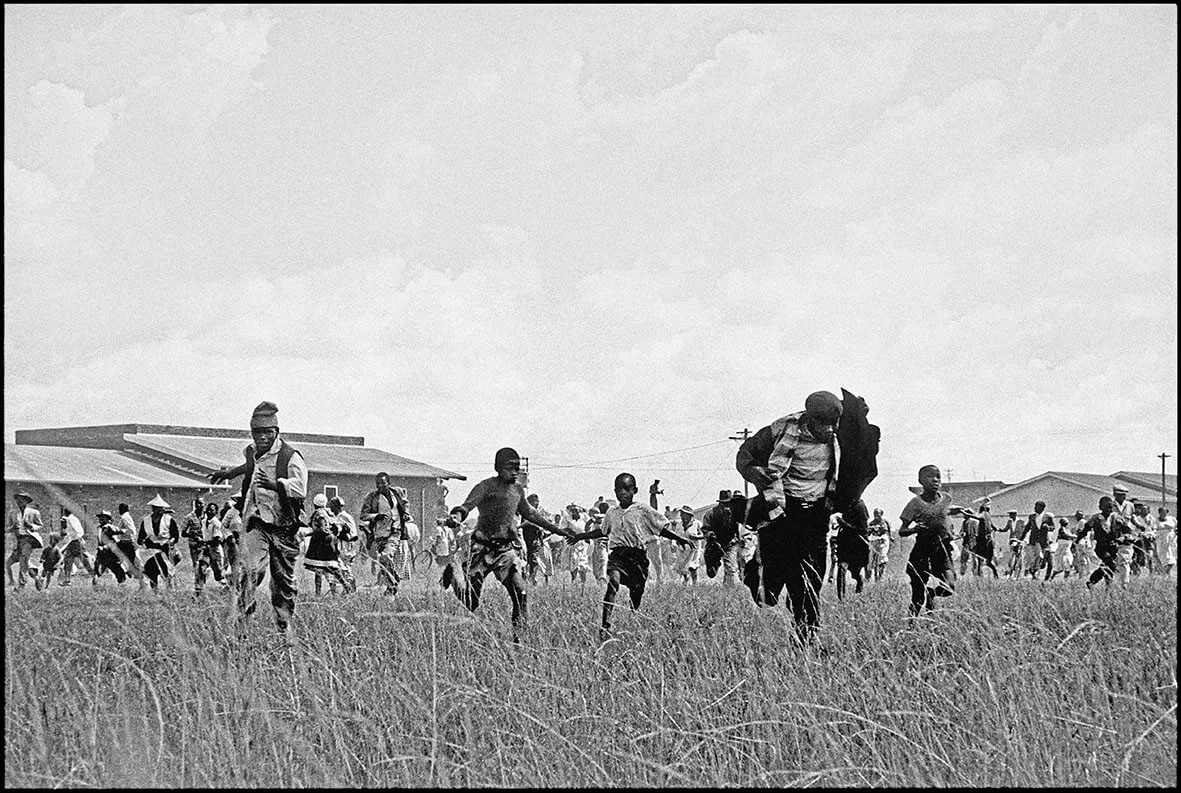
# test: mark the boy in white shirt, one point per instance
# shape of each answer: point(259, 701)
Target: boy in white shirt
point(628, 527)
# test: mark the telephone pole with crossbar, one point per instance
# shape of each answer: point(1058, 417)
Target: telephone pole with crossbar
point(745, 434)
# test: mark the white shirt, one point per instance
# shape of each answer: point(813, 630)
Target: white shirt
point(211, 529)
point(74, 528)
point(265, 503)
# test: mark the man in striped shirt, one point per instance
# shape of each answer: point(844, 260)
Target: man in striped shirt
point(793, 464)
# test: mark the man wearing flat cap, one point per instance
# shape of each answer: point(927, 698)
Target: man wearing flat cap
point(274, 485)
point(793, 464)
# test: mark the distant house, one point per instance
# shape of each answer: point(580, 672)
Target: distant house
point(96, 467)
point(1066, 491)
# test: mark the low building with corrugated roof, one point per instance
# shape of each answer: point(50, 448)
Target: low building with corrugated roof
point(95, 467)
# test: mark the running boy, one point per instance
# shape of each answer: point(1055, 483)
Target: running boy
point(931, 556)
point(500, 500)
point(628, 527)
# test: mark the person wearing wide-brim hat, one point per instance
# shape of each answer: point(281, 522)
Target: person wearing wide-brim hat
point(689, 559)
point(24, 523)
point(158, 536)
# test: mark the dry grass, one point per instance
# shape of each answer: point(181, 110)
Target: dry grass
point(1011, 683)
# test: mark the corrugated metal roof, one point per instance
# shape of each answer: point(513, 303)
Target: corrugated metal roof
point(327, 458)
point(68, 466)
point(1149, 480)
point(1096, 482)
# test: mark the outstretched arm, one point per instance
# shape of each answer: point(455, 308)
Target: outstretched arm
point(226, 474)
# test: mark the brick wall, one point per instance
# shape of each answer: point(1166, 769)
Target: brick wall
point(86, 500)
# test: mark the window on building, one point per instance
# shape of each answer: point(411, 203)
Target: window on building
point(330, 491)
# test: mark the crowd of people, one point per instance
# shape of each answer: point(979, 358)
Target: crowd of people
point(806, 518)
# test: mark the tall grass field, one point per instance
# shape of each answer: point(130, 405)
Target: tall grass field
point(1009, 683)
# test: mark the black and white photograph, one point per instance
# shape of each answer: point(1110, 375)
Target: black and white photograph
point(590, 396)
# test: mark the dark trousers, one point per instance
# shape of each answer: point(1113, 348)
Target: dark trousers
point(793, 548)
point(20, 554)
point(265, 548)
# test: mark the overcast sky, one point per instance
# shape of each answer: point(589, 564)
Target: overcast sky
point(601, 233)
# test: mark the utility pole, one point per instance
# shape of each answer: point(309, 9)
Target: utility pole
point(1163, 490)
point(745, 434)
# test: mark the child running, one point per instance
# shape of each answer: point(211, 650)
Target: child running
point(628, 527)
point(500, 500)
point(931, 558)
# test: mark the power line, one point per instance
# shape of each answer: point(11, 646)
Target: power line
point(626, 459)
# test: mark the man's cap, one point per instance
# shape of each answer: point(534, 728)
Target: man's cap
point(823, 403)
point(1012, 512)
point(723, 495)
point(158, 502)
point(22, 494)
point(102, 513)
point(462, 512)
point(265, 415)
point(1078, 513)
point(320, 500)
point(1118, 489)
point(736, 496)
point(504, 455)
point(688, 510)
point(335, 502)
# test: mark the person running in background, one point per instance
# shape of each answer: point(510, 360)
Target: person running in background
point(930, 568)
point(1084, 547)
point(1062, 550)
point(985, 548)
point(25, 526)
point(689, 559)
point(75, 548)
point(190, 529)
point(533, 536)
point(386, 515)
point(1038, 527)
point(720, 528)
point(627, 528)
point(1113, 543)
point(323, 556)
point(852, 548)
point(158, 536)
point(209, 541)
point(499, 500)
point(1166, 540)
point(880, 540)
point(1014, 526)
point(231, 537)
point(348, 541)
point(110, 555)
point(1144, 526)
point(442, 543)
point(578, 556)
point(598, 549)
point(50, 559)
point(969, 528)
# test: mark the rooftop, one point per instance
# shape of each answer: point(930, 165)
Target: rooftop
point(67, 466)
point(210, 453)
